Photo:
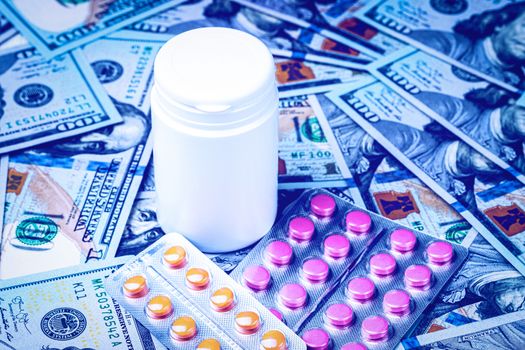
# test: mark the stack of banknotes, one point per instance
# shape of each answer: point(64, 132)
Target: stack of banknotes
point(412, 109)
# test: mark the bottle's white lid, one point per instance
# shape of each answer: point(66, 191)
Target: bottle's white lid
point(214, 69)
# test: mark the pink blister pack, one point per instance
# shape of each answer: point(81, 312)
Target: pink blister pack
point(319, 237)
point(188, 302)
point(385, 293)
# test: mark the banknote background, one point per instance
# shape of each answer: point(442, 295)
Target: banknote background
point(413, 110)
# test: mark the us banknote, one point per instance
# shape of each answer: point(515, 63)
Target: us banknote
point(490, 199)
point(57, 26)
point(4, 165)
point(480, 36)
point(68, 201)
point(276, 34)
point(487, 117)
point(503, 333)
point(47, 100)
point(7, 31)
point(68, 309)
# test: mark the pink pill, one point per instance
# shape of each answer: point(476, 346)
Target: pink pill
point(301, 228)
point(375, 328)
point(353, 346)
point(293, 295)
point(316, 339)
point(336, 246)
point(278, 253)
point(396, 302)
point(277, 314)
point(315, 270)
point(361, 289)
point(418, 276)
point(440, 253)
point(322, 205)
point(403, 240)
point(382, 264)
point(358, 221)
point(256, 277)
point(339, 315)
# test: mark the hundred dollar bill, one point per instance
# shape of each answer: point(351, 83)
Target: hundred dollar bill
point(276, 34)
point(57, 26)
point(47, 100)
point(505, 332)
point(68, 201)
point(68, 307)
point(480, 36)
point(4, 164)
point(7, 31)
point(485, 116)
point(489, 198)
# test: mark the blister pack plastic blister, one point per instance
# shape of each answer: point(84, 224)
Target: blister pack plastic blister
point(386, 292)
point(187, 302)
point(306, 252)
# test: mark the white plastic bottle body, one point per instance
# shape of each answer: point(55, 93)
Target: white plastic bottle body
point(218, 188)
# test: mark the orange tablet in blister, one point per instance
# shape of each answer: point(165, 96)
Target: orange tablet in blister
point(175, 257)
point(222, 299)
point(273, 340)
point(209, 344)
point(135, 287)
point(197, 278)
point(183, 328)
point(247, 322)
point(159, 307)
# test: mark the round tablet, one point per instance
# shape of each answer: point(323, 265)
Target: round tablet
point(301, 228)
point(339, 315)
point(375, 328)
point(322, 205)
point(197, 278)
point(418, 276)
point(183, 328)
point(382, 264)
point(256, 277)
point(222, 299)
point(358, 221)
point(273, 340)
point(293, 295)
point(361, 289)
point(247, 322)
point(403, 240)
point(316, 339)
point(353, 346)
point(209, 344)
point(277, 314)
point(278, 253)
point(315, 270)
point(440, 253)
point(396, 302)
point(174, 257)
point(159, 307)
point(336, 246)
point(135, 287)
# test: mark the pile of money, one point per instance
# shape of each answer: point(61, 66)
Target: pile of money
point(412, 109)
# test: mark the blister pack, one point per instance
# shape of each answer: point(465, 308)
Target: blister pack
point(316, 241)
point(384, 295)
point(188, 302)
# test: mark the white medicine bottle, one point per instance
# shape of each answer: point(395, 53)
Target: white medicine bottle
point(215, 129)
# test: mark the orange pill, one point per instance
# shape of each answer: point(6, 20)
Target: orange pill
point(273, 340)
point(209, 344)
point(222, 299)
point(197, 278)
point(183, 328)
point(175, 257)
point(135, 287)
point(247, 322)
point(159, 307)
